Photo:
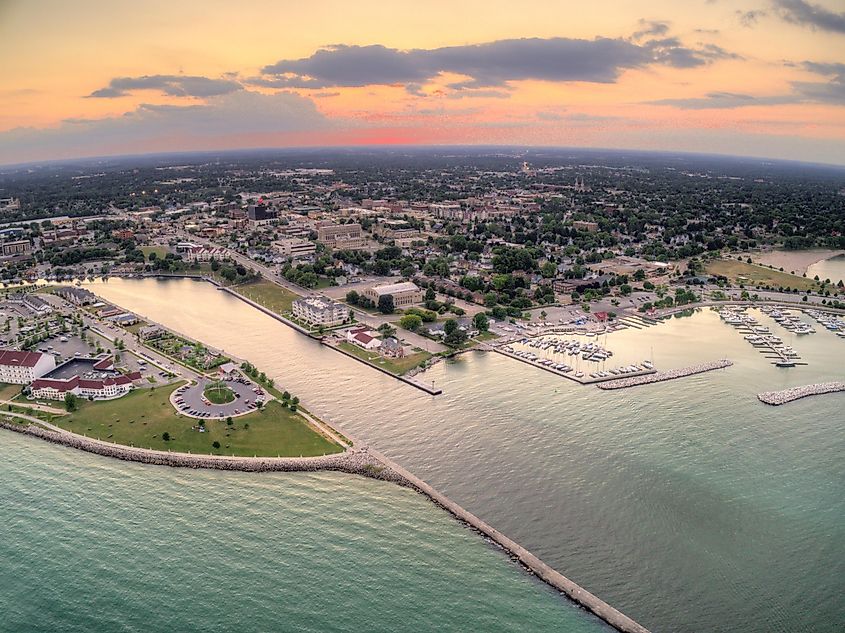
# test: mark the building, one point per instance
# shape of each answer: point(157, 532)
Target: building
point(35, 303)
point(227, 370)
point(94, 378)
point(341, 236)
point(392, 347)
point(582, 225)
point(295, 248)
point(320, 311)
point(76, 296)
point(362, 337)
point(150, 332)
point(203, 253)
point(18, 249)
point(404, 293)
point(260, 214)
point(21, 368)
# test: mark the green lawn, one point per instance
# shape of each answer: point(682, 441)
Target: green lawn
point(219, 394)
point(270, 295)
point(160, 251)
point(752, 275)
point(396, 366)
point(144, 415)
point(136, 327)
point(7, 391)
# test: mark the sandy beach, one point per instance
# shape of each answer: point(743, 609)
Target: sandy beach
point(795, 262)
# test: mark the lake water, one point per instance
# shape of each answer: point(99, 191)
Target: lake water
point(688, 505)
point(833, 269)
point(93, 544)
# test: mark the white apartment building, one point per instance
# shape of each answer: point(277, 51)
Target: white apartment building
point(317, 310)
point(21, 368)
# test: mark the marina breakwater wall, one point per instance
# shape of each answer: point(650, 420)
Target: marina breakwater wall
point(358, 461)
point(777, 398)
point(661, 376)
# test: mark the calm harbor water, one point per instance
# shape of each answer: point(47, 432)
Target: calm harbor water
point(688, 505)
point(91, 544)
point(833, 269)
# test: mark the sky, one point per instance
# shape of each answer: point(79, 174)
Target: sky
point(101, 77)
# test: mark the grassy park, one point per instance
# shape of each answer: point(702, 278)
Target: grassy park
point(752, 275)
point(160, 251)
point(270, 295)
point(142, 417)
point(396, 366)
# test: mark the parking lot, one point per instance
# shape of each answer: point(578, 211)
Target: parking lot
point(189, 399)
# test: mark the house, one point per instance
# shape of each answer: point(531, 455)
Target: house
point(149, 332)
point(20, 368)
point(363, 337)
point(124, 320)
point(392, 347)
point(320, 311)
point(94, 378)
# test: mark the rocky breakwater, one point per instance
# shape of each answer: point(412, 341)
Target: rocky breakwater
point(665, 375)
point(777, 398)
point(356, 461)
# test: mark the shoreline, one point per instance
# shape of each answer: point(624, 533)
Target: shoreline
point(354, 461)
point(798, 261)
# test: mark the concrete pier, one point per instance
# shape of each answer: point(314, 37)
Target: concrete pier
point(777, 398)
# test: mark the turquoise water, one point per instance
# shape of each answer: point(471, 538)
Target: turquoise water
point(91, 544)
point(688, 505)
point(833, 269)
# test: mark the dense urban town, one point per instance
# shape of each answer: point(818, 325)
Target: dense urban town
point(398, 259)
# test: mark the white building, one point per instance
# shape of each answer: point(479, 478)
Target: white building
point(21, 368)
point(317, 310)
point(295, 248)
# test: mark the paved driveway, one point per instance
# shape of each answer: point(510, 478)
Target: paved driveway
point(189, 400)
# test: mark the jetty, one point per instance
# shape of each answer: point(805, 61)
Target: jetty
point(662, 376)
point(777, 398)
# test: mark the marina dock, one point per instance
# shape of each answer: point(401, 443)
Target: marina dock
point(569, 375)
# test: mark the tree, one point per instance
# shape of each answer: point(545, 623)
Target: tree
point(412, 322)
point(481, 322)
point(386, 330)
point(70, 401)
point(165, 436)
point(352, 298)
point(429, 294)
point(385, 304)
point(215, 444)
